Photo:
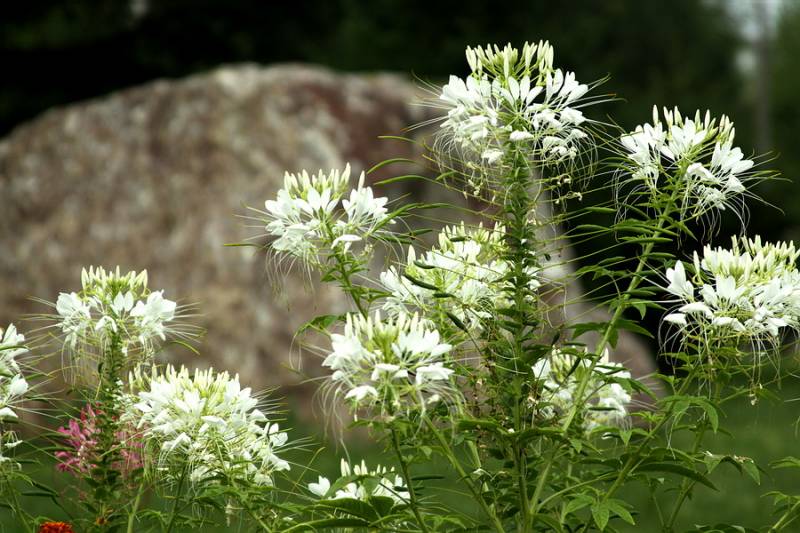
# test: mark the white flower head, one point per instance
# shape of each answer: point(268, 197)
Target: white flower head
point(313, 217)
point(514, 101)
point(557, 375)
point(13, 387)
point(750, 291)
point(691, 159)
point(390, 366)
point(358, 482)
point(208, 423)
point(115, 307)
point(463, 276)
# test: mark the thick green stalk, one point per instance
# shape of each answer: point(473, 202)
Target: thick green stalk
point(135, 508)
point(611, 326)
point(634, 458)
point(17, 509)
point(176, 502)
point(521, 241)
point(633, 284)
point(450, 456)
point(687, 485)
point(786, 518)
point(414, 503)
point(107, 484)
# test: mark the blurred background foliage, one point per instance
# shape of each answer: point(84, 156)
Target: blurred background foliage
point(737, 57)
point(730, 56)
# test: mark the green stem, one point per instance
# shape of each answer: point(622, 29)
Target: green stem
point(177, 500)
point(785, 520)
point(611, 327)
point(687, 485)
point(448, 453)
point(348, 286)
point(135, 508)
point(604, 341)
point(104, 473)
point(634, 458)
point(521, 240)
point(23, 517)
point(409, 482)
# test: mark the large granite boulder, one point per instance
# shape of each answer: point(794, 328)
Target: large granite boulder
point(151, 178)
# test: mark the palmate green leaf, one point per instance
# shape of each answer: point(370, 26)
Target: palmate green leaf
point(371, 510)
point(632, 326)
point(468, 424)
point(682, 403)
point(675, 468)
point(722, 528)
point(751, 469)
point(328, 523)
point(393, 160)
point(320, 323)
point(618, 508)
point(577, 503)
point(524, 437)
point(786, 462)
point(420, 283)
point(600, 210)
point(548, 520)
point(601, 514)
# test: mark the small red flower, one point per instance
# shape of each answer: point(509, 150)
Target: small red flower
point(56, 527)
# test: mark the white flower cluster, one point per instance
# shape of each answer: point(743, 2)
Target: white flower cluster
point(692, 159)
point(605, 402)
point(112, 304)
point(307, 220)
point(750, 290)
point(360, 483)
point(390, 365)
point(209, 424)
point(463, 275)
point(13, 386)
point(515, 100)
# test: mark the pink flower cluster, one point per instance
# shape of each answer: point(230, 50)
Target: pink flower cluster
point(82, 443)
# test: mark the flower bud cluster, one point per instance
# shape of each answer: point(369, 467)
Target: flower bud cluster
point(313, 215)
point(750, 290)
point(558, 376)
point(388, 366)
point(514, 100)
point(692, 158)
point(360, 483)
point(462, 276)
point(115, 305)
point(208, 424)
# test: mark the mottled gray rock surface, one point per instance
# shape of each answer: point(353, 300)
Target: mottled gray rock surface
point(151, 178)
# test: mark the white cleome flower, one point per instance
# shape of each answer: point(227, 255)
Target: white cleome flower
point(751, 290)
point(312, 216)
point(112, 305)
point(208, 423)
point(557, 376)
point(12, 383)
point(13, 387)
point(514, 101)
point(690, 159)
point(390, 366)
point(462, 277)
point(360, 483)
